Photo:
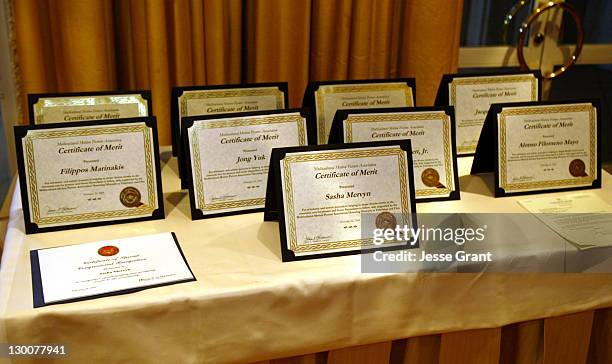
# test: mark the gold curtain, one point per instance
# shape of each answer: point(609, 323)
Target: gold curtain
point(352, 39)
point(84, 45)
point(64, 45)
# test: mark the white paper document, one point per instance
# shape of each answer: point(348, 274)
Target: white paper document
point(584, 219)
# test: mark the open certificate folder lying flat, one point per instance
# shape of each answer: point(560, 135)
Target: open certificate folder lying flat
point(106, 268)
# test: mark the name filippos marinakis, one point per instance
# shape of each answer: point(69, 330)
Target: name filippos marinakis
point(423, 256)
point(92, 169)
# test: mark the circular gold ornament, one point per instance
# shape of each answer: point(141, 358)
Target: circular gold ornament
point(386, 220)
point(130, 197)
point(524, 31)
point(431, 178)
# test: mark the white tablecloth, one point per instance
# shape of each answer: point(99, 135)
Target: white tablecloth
point(247, 305)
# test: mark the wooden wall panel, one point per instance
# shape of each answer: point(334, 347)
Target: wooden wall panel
point(566, 338)
point(600, 349)
point(302, 359)
point(522, 343)
point(474, 346)
point(418, 350)
point(366, 354)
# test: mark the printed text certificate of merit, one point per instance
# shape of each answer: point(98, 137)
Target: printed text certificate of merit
point(341, 184)
point(230, 158)
point(90, 174)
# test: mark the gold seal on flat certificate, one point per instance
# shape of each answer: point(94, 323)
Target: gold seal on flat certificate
point(386, 220)
point(130, 197)
point(577, 168)
point(431, 178)
point(108, 251)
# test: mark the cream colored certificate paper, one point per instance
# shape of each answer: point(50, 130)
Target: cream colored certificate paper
point(584, 219)
point(325, 193)
point(83, 108)
point(430, 133)
point(547, 147)
point(329, 98)
point(231, 100)
point(472, 96)
point(90, 174)
point(90, 269)
point(230, 158)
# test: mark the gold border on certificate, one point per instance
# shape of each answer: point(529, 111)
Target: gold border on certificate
point(229, 92)
point(30, 165)
point(93, 100)
point(361, 87)
point(548, 109)
point(399, 117)
point(229, 123)
point(461, 81)
point(339, 155)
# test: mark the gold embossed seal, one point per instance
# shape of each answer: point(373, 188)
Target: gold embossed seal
point(386, 220)
point(577, 168)
point(130, 197)
point(108, 250)
point(431, 178)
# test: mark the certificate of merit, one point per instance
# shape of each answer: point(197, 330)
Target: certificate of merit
point(326, 192)
point(225, 101)
point(472, 96)
point(233, 100)
point(89, 174)
point(547, 147)
point(230, 157)
point(430, 134)
point(89, 107)
point(107, 267)
point(329, 98)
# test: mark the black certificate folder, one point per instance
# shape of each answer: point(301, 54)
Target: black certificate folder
point(91, 105)
point(432, 134)
point(223, 99)
point(325, 97)
point(472, 94)
point(89, 173)
point(536, 147)
point(444, 97)
point(226, 157)
point(330, 199)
